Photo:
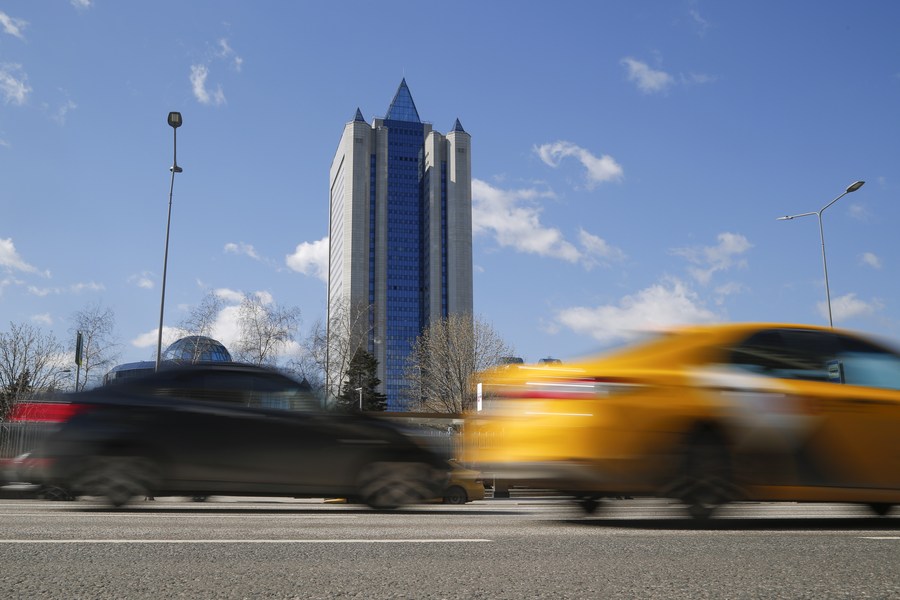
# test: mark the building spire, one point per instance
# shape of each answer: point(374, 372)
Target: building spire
point(402, 106)
point(458, 126)
point(359, 116)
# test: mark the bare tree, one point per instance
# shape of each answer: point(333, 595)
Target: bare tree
point(266, 330)
point(30, 361)
point(333, 344)
point(99, 348)
point(200, 323)
point(202, 318)
point(444, 359)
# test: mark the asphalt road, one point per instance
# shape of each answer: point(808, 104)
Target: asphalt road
point(518, 548)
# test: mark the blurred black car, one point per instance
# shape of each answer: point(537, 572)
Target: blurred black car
point(230, 429)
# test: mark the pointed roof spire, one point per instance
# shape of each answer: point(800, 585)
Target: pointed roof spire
point(402, 106)
point(458, 126)
point(359, 116)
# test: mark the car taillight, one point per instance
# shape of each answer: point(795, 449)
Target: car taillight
point(45, 412)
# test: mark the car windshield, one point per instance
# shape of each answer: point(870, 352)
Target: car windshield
point(244, 388)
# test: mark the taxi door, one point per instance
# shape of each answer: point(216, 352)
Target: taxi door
point(860, 420)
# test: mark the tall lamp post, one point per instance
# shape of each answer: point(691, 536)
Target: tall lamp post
point(850, 188)
point(360, 390)
point(174, 123)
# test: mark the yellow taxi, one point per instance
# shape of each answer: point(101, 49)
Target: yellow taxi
point(705, 414)
point(464, 485)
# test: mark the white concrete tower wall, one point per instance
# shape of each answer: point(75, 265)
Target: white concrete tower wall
point(349, 220)
point(435, 154)
point(379, 147)
point(459, 223)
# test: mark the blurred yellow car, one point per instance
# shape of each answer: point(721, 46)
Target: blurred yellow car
point(705, 414)
point(465, 485)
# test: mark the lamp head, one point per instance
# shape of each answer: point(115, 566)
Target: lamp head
point(855, 186)
point(174, 120)
point(784, 218)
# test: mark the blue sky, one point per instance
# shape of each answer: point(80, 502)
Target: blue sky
point(630, 158)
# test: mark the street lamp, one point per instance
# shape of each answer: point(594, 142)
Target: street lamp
point(174, 123)
point(359, 389)
point(851, 188)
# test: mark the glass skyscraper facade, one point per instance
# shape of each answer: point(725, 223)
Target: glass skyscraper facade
point(400, 233)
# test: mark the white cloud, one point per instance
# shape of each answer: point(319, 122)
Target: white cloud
point(514, 221)
point(225, 327)
point(598, 250)
point(8, 281)
point(859, 212)
point(710, 259)
point(265, 298)
point(142, 280)
point(701, 23)
point(697, 78)
point(599, 170)
point(13, 26)
point(310, 258)
point(75, 288)
point(870, 260)
point(150, 339)
point(225, 51)
point(10, 259)
point(63, 111)
point(14, 86)
point(728, 289)
point(199, 75)
point(90, 286)
point(647, 80)
point(82, 4)
point(849, 306)
point(670, 302)
point(43, 319)
point(229, 296)
point(242, 248)
point(42, 292)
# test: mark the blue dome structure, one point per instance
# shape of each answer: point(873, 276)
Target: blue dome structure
point(197, 348)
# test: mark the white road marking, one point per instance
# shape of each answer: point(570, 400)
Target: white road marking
point(880, 537)
point(237, 541)
point(149, 515)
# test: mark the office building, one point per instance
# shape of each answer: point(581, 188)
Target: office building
point(400, 232)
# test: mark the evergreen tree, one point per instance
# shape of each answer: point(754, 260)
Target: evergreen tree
point(361, 383)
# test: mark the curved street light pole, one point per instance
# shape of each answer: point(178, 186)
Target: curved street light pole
point(174, 123)
point(851, 188)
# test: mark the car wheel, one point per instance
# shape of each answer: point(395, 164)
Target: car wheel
point(56, 494)
point(707, 475)
point(881, 508)
point(589, 504)
point(455, 495)
point(118, 478)
point(387, 485)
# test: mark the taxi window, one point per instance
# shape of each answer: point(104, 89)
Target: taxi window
point(787, 353)
point(868, 365)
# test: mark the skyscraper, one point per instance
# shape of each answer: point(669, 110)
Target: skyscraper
point(400, 232)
